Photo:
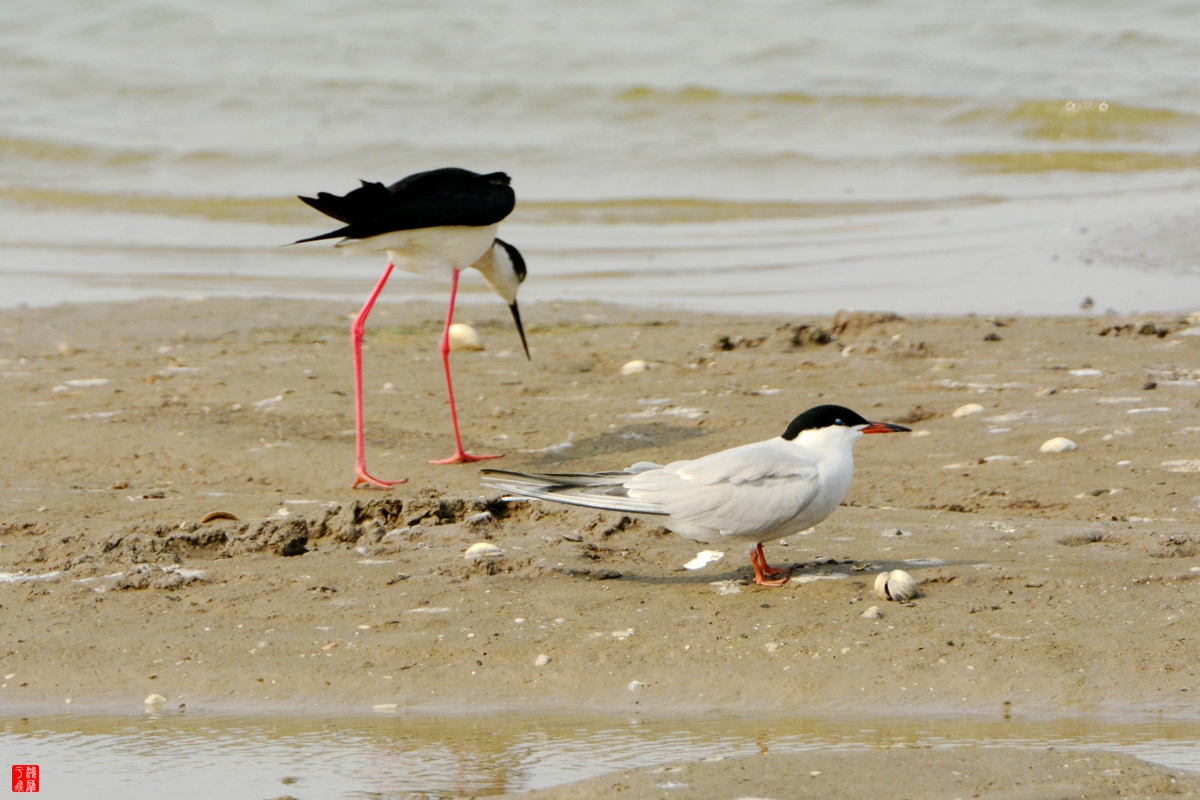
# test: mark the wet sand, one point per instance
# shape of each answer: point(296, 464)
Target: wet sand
point(913, 773)
point(1050, 582)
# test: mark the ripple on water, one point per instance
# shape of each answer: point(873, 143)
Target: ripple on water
point(211, 756)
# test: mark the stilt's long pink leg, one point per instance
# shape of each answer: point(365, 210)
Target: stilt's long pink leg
point(360, 450)
point(460, 456)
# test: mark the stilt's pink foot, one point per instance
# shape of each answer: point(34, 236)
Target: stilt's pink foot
point(361, 477)
point(465, 458)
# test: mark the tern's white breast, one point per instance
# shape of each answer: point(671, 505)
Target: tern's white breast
point(429, 250)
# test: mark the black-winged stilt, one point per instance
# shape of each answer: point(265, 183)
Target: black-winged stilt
point(444, 220)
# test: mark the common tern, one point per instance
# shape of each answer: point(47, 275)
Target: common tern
point(754, 493)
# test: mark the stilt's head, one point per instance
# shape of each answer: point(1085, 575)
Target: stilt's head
point(504, 269)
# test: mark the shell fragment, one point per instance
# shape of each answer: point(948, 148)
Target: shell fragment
point(481, 551)
point(1058, 444)
point(464, 337)
point(704, 558)
point(896, 585)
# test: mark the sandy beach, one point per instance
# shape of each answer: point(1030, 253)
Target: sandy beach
point(1049, 582)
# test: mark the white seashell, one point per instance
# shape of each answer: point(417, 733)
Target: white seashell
point(541, 660)
point(704, 558)
point(464, 337)
point(634, 367)
point(872, 613)
point(881, 586)
point(482, 550)
point(155, 700)
point(967, 410)
point(900, 586)
point(634, 686)
point(1058, 445)
point(384, 707)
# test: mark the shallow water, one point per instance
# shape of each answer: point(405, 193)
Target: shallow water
point(385, 756)
point(765, 157)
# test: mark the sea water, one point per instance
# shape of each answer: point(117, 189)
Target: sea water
point(412, 755)
point(767, 156)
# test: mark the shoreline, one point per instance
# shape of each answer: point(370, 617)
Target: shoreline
point(1036, 540)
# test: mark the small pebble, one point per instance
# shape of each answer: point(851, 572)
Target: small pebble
point(541, 660)
point(967, 410)
point(634, 367)
point(634, 686)
point(1058, 445)
point(464, 337)
point(872, 613)
point(155, 700)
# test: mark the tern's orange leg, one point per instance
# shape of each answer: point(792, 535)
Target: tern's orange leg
point(460, 456)
point(762, 569)
point(767, 568)
point(360, 459)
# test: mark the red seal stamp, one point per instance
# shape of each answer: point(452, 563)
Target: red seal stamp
point(26, 777)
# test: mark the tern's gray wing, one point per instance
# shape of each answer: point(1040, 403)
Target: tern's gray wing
point(601, 490)
point(745, 491)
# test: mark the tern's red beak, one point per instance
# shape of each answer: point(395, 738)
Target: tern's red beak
point(885, 427)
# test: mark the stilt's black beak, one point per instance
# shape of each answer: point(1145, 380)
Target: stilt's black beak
point(517, 319)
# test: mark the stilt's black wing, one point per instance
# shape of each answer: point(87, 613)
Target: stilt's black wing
point(448, 196)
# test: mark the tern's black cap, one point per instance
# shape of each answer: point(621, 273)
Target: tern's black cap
point(823, 417)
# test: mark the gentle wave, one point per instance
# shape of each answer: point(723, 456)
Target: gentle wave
point(35, 150)
point(1102, 161)
point(1090, 120)
point(706, 95)
point(659, 211)
point(640, 211)
point(279, 210)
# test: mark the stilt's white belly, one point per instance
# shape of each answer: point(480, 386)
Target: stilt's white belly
point(429, 250)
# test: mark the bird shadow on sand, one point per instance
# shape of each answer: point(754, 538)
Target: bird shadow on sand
point(622, 440)
point(815, 572)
